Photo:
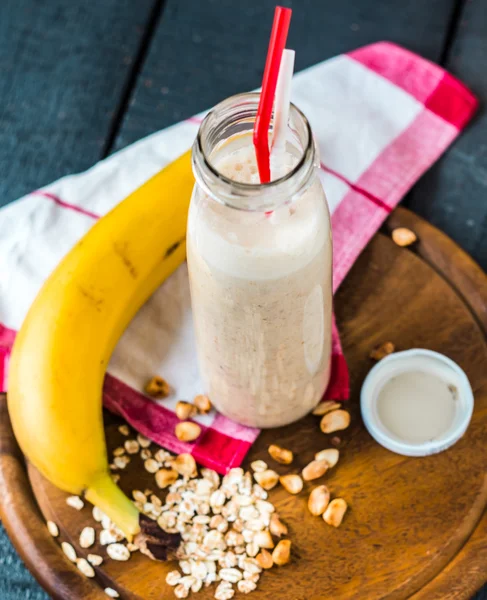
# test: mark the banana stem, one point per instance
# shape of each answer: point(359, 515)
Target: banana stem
point(108, 497)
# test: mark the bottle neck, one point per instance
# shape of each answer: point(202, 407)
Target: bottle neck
point(233, 119)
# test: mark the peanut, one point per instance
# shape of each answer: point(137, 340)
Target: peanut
point(382, 350)
point(185, 465)
point(157, 387)
point(281, 554)
point(318, 500)
point(335, 512)
point(403, 237)
point(187, 431)
point(325, 407)
point(276, 526)
point(263, 539)
point(185, 410)
point(330, 455)
point(281, 455)
point(202, 403)
point(291, 483)
point(166, 477)
point(335, 421)
point(315, 469)
point(264, 559)
point(267, 479)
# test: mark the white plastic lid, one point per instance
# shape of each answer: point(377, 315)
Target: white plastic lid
point(416, 360)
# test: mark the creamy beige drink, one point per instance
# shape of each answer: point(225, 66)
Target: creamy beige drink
point(261, 294)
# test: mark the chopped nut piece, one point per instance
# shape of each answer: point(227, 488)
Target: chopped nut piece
point(52, 528)
point(330, 455)
point(75, 502)
point(185, 410)
point(185, 465)
point(281, 554)
point(325, 407)
point(120, 451)
point(145, 454)
point(267, 479)
point(315, 469)
point(157, 387)
point(335, 421)
point(110, 592)
point(121, 461)
point(166, 477)
point(264, 559)
point(118, 552)
point(335, 512)
point(151, 465)
point(85, 567)
point(382, 350)
point(403, 237)
point(276, 526)
point(143, 441)
point(318, 500)
point(87, 537)
point(95, 559)
point(132, 446)
point(202, 403)
point(263, 539)
point(69, 551)
point(292, 483)
point(258, 466)
point(280, 455)
point(187, 431)
point(124, 429)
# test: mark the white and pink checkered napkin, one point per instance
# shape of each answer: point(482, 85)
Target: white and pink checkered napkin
point(381, 116)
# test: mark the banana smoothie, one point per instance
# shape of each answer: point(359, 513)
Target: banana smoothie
point(261, 293)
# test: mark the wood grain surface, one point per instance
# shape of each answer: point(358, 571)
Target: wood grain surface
point(414, 525)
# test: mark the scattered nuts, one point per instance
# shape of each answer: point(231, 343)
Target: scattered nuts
point(267, 479)
point(281, 554)
point(276, 526)
point(335, 421)
point(69, 551)
point(403, 237)
point(110, 592)
point(185, 465)
point(166, 477)
point(330, 455)
point(291, 483)
point(119, 451)
point(75, 502)
point(281, 455)
point(145, 453)
point(95, 559)
point(118, 552)
point(52, 528)
point(157, 387)
point(143, 441)
point(335, 512)
point(124, 429)
point(318, 500)
point(87, 537)
point(315, 469)
point(132, 446)
point(202, 403)
point(139, 496)
point(151, 465)
point(185, 410)
point(263, 539)
point(85, 567)
point(187, 431)
point(382, 350)
point(325, 407)
point(258, 466)
point(264, 559)
point(121, 462)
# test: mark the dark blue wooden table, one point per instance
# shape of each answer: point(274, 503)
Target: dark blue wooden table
point(80, 80)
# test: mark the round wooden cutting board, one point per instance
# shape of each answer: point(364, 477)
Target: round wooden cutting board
point(416, 527)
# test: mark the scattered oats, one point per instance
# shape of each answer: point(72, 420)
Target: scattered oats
point(258, 492)
point(145, 454)
point(132, 446)
point(124, 429)
point(106, 522)
point(162, 455)
point(118, 552)
point(223, 592)
point(217, 499)
point(87, 537)
point(211, 476)
point(95, 559)
point(151, 465)
point(143, 441)
point(252, 549)
point(181, 591)
point(52, 528)
point(121, 461)
point(197, 585)
point(111, 592)
point(75, 502)
point(263, 539)
point(173, 578)
point(69, 551)
point(330, 455)
point(98, 514)
point(245, 586)
point(264, 507)
point(251, 576)
point(85, 567)
point(119, 451)
point(258, 466)
point(231, 575)
point(139, 496)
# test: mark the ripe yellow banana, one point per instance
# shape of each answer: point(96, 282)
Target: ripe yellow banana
point(62, 350)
